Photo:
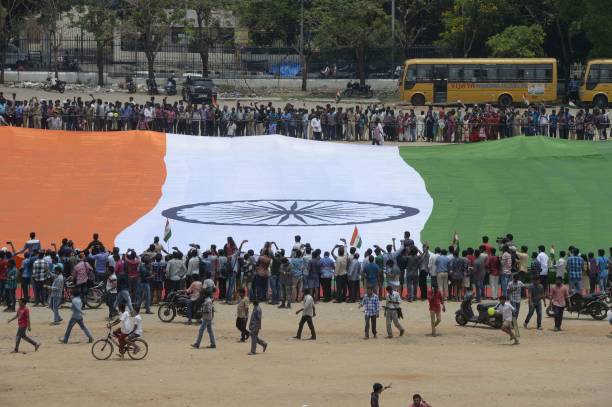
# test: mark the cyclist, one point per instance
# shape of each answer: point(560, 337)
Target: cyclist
point(136, 330)
point(126, 328)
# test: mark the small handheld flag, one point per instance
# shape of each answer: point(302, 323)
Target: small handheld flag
point(167, 231)
point(356, 238)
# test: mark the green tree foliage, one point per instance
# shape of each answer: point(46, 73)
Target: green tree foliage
point(357, 24)
point(49, 18)
point(12, 15)
point(149, 22)
point(469, 23)
point(597, 24)
point(270, 22)
point(99, 17)
point(518, 41)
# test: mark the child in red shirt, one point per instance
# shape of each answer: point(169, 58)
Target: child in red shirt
point(23, 323)
point(436, 306)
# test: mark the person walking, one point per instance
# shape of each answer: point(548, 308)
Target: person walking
point(392, 311)
point(436, 306)
point(559, 296)
point(57, 293)
point(371, 305)
point(76, 318)
point(308, 312)
point(507, 311)
point(208, 313)
point(242, 314)
point(23, 324)
point(255, 328)
point(375, 395)
point(514, 292)
point(535, 296)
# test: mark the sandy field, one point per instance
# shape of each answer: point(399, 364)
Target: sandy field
point(465, 366)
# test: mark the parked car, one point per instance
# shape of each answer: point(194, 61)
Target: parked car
point(198, 90)
point(15, 58)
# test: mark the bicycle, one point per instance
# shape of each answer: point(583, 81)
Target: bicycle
point(102, 349)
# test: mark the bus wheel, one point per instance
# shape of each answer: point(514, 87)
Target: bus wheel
point(418, 100)
point(600, 101)
point(505, 100)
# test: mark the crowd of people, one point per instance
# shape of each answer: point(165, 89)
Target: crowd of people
point(375, 123)
point(235, 275)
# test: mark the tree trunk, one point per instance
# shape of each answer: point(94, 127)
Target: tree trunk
point(151, 64)
point(305, 63)
point(361, 64)
point(204, 58)
point(100, 63)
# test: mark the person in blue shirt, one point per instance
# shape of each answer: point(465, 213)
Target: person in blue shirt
point(327, 274)
point(76, 318)
point(602, 264)
point(552, 123)
point(26, 275)
point(370, 271)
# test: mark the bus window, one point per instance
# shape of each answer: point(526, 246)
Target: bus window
point(424, 73)
point(411, 77)
point(543, 73)
point(508, 73)
point(605, 73)
point(471, 72)
point(489, 72)
point(526, 72)
point(455, 73)
point(593, 78)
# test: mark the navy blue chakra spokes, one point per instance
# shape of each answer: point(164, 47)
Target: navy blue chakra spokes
point(288, 212)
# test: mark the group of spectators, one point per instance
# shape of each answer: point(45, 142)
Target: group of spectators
point(281, 277)
point(376, 123)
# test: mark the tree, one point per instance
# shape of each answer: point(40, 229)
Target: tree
point(419, 20)
point(270, 22)
point(12, 15)
point(51, 12)
point(357, 24)
point(149, 22)
point(597, 27)
point(99, 17)
point(518, 41)
point(469, 23)
point(205, 29)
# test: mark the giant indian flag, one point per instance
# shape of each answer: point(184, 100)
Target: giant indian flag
point(131, 186)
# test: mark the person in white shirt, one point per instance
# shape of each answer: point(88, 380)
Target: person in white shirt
point(308, 312)
point(507, 311)
point(126, 325)
point(315, 124)
point(542, 259)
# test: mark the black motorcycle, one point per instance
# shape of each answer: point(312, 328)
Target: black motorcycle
point(130, 85)
point(465, 313)
point(592, 304)
point(57, 85)
point(170, 87)
point(355, 89)
point(152, 87)
point(177, 303)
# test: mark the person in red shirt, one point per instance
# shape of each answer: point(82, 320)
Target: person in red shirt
point(23, 323)
point(436, 306)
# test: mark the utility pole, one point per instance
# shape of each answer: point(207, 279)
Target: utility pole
point(302, 59)
point(392, 37)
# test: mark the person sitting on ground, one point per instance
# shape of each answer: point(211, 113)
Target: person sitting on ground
point(417, 401)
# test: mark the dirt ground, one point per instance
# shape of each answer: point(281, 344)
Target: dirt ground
point(465, 366)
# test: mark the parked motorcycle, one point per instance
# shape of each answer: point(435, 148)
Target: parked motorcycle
point(130, 85)
point(176, 303)
point(54, 84)
point(95, 294)
point(592, 304)
point(152, 87)
point(355, 89)
point(465, 313)
point(170, 87)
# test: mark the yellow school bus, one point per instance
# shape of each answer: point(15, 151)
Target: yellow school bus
point(596, 86)
point(482, 80)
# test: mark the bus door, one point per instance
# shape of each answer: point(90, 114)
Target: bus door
point(440, 85)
